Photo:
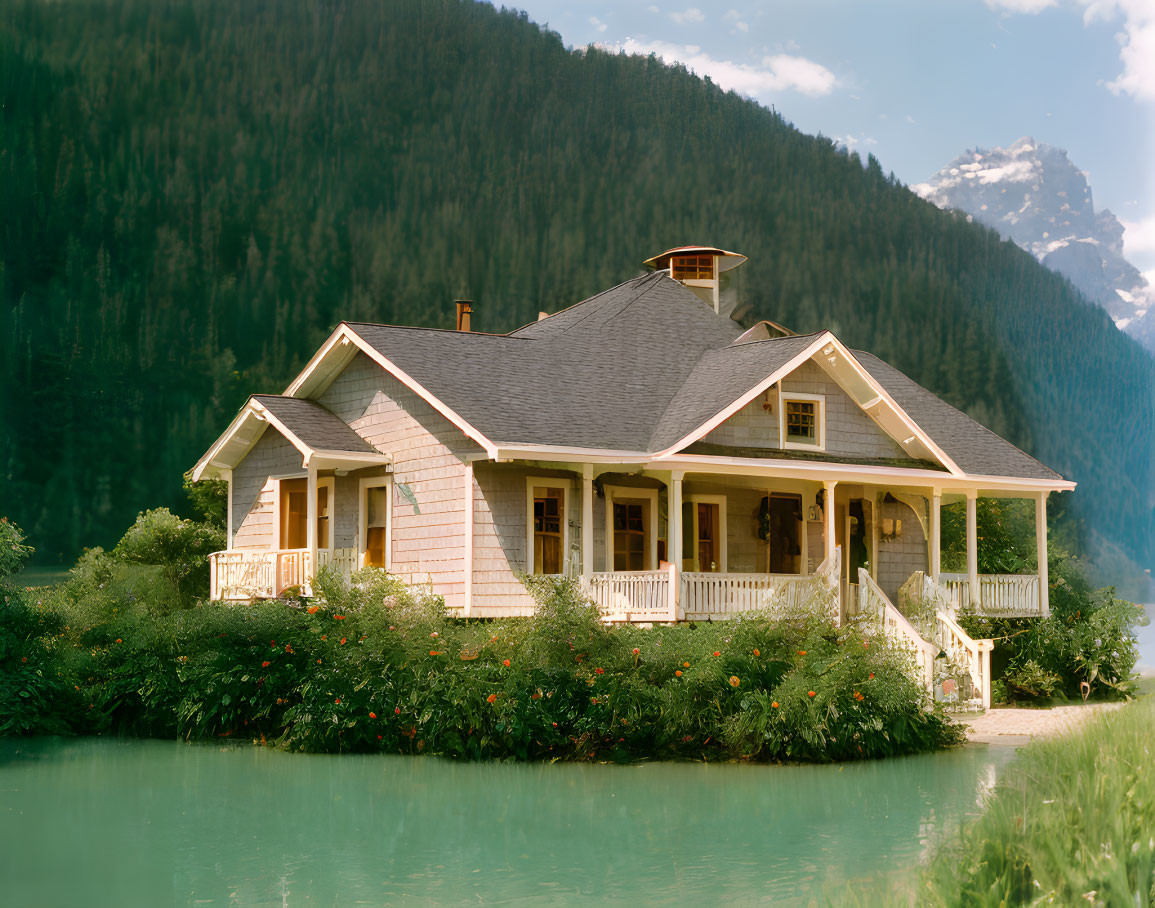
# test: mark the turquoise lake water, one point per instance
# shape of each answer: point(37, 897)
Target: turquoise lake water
point(94, 822)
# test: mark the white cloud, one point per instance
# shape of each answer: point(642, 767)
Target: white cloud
point(1137, 43)
point(688, 16)
point(652, 9)
point(910, 119)
point(1136, 40)
point(1139, 238)
point(732, 15)
point(849, 141)
point(1030, 7)
point(597, 23)
point(776, 73)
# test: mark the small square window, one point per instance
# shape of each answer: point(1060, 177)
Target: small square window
point(802, 421)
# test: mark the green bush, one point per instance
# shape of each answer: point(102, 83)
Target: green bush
point(372, 666)
point(1088, 638)
point(13, 551)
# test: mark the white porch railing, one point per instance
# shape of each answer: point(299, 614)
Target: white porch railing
point(705, 595)
point(874, 605)
point(1000, 595)
point(930, 606)
point(635, 595)
point(238, 576)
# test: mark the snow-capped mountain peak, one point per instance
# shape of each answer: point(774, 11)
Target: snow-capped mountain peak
point(1033, 194)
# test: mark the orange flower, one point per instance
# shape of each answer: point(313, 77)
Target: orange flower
point(338, 701)
point(636, 650)
point(865, 644)
point(678, 673)
point(372, 715)
point(505, 662)
point(288, 647)
point(265, 664)
point(339, 617)
point(599, 671)
point(872, 676)
point(685, 665)
point(118, 640)
point(312, 609)
point(492, 698)
point(774, 705)
point(801, 652)
point(343, 639)
point(318, 661)
point(717, 654)
point(435, 652)
point(735, 680)
point(555, 725)
point(434, 634)
point(756, 653)
point(536, 696)
point(810, 693)
point(397, 710)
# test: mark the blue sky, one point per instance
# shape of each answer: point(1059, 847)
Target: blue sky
point(916, 82)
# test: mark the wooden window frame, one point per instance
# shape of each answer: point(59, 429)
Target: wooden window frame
point(785, 397)
point(723, 554)
point(374, 482)
point(650, 496)
point(566, 487)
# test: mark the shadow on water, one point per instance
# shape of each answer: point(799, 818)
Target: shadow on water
point(105, 822)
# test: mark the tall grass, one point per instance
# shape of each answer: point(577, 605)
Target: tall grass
point(1072, 823)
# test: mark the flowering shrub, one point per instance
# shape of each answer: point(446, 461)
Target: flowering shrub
point(372, 666)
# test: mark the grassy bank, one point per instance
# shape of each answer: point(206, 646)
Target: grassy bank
point(1073, 822)
point(377, 667)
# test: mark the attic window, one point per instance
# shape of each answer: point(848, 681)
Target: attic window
point(802, 421)
point(693, 268)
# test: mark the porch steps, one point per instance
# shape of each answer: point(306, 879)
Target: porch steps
point(953, 668)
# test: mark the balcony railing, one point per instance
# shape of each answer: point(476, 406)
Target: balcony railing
point(239, 576)
point(705, 595)
point(635, 595)
point(1000, 595)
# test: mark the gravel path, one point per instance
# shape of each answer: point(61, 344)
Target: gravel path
point(1015, 727)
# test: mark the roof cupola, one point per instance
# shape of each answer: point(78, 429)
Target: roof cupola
point(699, 269)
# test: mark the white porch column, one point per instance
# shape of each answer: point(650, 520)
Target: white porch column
point(1041, 548)
point(229, 518)
point(311, 527)
point(674, 520)
point(936, 534)
point(828, 516)
point(587, 521)
point(973, 546)
point(467, 555)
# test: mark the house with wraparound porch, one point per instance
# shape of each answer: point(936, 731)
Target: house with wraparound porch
point(683, 466)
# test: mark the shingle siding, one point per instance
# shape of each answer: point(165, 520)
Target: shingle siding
point(428, 452)
point(901, 557)
point(849, 431)
point(253, 493)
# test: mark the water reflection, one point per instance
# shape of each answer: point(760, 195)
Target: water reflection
point(145, 823)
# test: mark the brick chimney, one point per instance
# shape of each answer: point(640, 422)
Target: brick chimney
point(464, 312)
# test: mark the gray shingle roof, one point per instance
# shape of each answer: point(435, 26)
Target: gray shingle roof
point(971, 445)
point(637, 368)
point(317, 426)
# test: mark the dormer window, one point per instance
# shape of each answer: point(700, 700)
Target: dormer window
point(802, 421)
point(693, 267)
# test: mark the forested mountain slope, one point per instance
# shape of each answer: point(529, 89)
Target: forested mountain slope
point(194, 192)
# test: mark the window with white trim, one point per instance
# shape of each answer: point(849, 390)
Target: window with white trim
point(376, 522)
point(802, 421)
point(547, 526)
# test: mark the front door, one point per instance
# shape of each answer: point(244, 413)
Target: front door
point(294, 513)
point(708, 547)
